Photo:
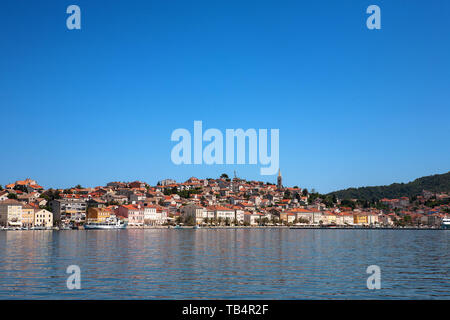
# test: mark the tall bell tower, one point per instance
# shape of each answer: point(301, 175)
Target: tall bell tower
point(279, 180)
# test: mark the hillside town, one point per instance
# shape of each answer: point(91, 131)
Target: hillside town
point(220, 202)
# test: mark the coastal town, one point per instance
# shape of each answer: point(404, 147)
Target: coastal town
point(221, 202)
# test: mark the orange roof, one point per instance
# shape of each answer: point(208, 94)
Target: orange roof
point(301, 210)
point(218, 208)
point(130, 207)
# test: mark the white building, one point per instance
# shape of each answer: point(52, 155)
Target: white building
point(43, 218)
point(223, 213)
point(195, 211)
point(3, 195)
point(239, 215)
point(153, 217)
point(252, 218)
point(372, 218)
point(11, 213)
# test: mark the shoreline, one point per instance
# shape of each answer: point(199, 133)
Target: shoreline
point(242, 228)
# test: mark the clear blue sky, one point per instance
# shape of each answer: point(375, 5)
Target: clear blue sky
point(354, 107)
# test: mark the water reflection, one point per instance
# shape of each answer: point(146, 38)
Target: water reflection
point(224, 264)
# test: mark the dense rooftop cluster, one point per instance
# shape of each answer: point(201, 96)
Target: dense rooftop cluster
point(221, 201)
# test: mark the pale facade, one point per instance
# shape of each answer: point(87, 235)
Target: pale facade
point(11, 213)
point(195, 211)
point(224, 213)
point(372, 219)
point(252, 218)
point(28, 215)
point(43, 218)
point(239, 215)
point(153, 217)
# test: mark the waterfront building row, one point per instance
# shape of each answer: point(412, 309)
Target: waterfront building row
point(14, 213)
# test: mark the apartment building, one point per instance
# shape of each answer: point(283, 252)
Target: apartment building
point(43, 218)
point(98, 215)
point(195, 211)
point(133, 213)
point(72, 209)
point(11, 213)
point(28, 215)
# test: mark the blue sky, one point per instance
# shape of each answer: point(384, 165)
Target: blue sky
point(354, 107)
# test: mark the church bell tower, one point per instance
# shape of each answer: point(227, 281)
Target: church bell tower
point(279, 180)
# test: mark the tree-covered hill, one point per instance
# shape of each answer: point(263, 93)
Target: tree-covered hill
point(434, 183)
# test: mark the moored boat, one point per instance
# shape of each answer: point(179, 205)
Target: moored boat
point(105, 225)
point(445, 223)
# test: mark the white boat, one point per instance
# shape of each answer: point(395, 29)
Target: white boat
point(107, 225)
point(37, 228)
point(445, 223)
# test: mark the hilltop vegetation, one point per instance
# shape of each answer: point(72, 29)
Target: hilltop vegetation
point(434, 183)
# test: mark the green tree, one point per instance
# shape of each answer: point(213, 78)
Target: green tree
point(190, 221)
point(348, 203)
point(334, 199)
point(303, 220)
point(12, 196)
point(274, 219)
point(224, 176)
point(20, 188)
point(434, 183)
point(407, 219)
point(50, 195)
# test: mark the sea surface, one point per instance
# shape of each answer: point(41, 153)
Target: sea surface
point(225, 264)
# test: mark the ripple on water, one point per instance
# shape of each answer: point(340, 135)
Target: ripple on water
point(225, 264)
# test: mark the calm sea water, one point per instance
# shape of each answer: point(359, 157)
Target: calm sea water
point(225, 264)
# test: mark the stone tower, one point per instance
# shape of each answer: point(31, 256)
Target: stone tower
point(279, 180)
